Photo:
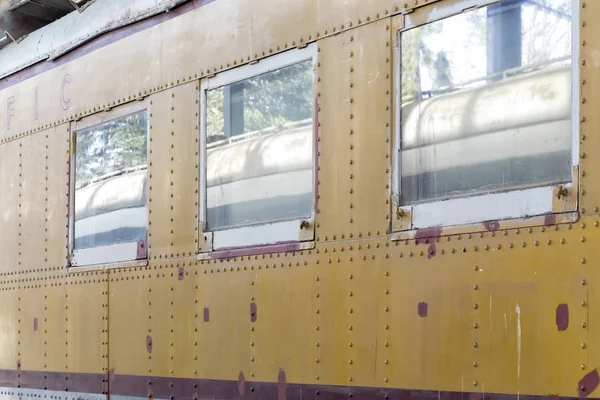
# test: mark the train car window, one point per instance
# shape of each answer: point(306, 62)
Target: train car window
point(486, 106)
point(110, 216)
point(258, 146)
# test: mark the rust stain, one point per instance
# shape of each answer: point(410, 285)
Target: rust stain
point(588, 383)
point(206, 314)
point(281, 385)
point(35, 324)
point(427, 236)
point(549, 219)
point(241, 384)
point(253, 312)
point(180, 273)
point(141, 250)
point(562, 317)
point(149, 343)
point(491, 225)
point(431, 251)
point(422, 309)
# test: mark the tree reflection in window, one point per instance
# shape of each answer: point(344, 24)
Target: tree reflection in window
point(110, 182)
point(111, 147)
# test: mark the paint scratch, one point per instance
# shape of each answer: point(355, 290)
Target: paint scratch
point(518, 310)
point(490, 313)
point(505, 324)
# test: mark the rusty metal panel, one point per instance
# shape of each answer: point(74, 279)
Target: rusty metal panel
point(57, 185)
point(9, 203)
point(32, 201)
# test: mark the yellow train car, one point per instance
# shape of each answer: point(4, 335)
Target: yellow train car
point(300, 199)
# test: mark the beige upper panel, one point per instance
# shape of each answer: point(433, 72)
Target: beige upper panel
point(216, 36)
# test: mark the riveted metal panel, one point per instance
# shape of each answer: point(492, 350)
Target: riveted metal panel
point(86, 304)
point(334, 129)
point(289, 323)
point(371, 112)
point(32, 201)
point(187, 316)
point(55, 326)
point(9, 327)
point(525, 308)
point(160, 201)
point(589, 140)
point(426, 303)
point(9, 203)
point(32, 316)
point(184, 151)
point(225, 292)
point(57, 189)
point(129, 322)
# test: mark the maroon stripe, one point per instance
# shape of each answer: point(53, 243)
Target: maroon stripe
point(99, 42)
point(194, 389)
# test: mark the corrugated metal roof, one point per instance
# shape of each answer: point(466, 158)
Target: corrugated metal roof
point(73, 29)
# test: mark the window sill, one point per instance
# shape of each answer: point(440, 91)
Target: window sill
point(257, 250)
point(488, 226)
point(102, 257)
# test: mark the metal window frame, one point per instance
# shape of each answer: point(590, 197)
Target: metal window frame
point(512, 204)
point(272, 233)
point(113, 255)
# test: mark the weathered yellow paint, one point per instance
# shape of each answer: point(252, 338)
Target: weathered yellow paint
point(9, 203)
point(85, 305)
point(344, 313)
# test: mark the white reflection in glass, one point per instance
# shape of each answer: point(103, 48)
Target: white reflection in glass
point(486, 101)
point(110, 182)
point(259, 136)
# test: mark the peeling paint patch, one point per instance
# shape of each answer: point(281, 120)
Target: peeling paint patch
point(206, 314)
point(562, 317)
point(241, 384)
point(149, 343)
point(281, 385)
point(549, 219)
point(253, 312)
point(35, 324)
point(180, 273)
point(491, 225)
point(588, 383)
point(422, 309)
point(427, 236)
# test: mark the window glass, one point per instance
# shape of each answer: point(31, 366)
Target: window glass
point(259, 136)
point(110, 182)
point(486, 101)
